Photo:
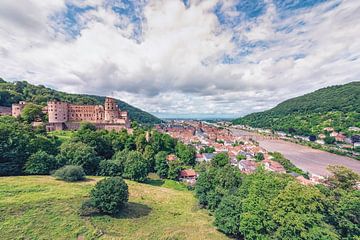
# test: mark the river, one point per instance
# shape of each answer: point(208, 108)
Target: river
point(312, 160)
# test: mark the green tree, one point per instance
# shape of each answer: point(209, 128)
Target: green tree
point(161, 165)
point(220, 160)
point(149, 156)
point(185, 153)
point(228, 216)
point(32, 112)
point(240, 157)
point(259, 157)
point(297, 214)
point(16, 145)
point(40, 163)
point(140, 142)
point(174, 169)
point(342, 177)
point(135, 168)
point(110, 195)
point(329, 140)
point(110, 168)
point(80, 154)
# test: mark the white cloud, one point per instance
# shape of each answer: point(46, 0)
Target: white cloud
point(176, 67)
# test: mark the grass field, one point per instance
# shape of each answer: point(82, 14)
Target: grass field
point(40, 207)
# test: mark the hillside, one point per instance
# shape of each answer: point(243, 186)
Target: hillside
point(24, 91)
point(335, 106)
point(153, 212)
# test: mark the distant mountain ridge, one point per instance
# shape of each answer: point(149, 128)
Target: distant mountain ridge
point(336, 106)
point(23, 91)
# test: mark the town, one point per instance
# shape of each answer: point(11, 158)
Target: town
point(244, 152)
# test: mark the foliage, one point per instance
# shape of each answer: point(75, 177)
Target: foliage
point(80, 154)
point(186, 153)
point(336, 106)
point(207, 149)
point(32, 112)
point(220, 160)
point(70, 173)
point(227, 216)
point(240, 157)
point(14, 92)
point(135, 167)
point(259, 157)
point(342, 177)
point(161, 165)
point(17, 143)
point(40, 163)
point(174, 169)
point(110, 195)
point(110, 168)
point(329, 140)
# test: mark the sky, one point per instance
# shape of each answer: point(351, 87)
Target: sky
point(172, 58)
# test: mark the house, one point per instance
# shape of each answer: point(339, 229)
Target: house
point(354, 129)
point(273, 166)
point(340, 137)
point(171, 157)
point(328, 129)
point(247, 166)
point(208, 156)
point(188, 176)
point(200, 157)
point(322, 136)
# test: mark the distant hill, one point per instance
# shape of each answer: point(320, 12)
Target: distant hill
point(23, 91)
point(335, 106)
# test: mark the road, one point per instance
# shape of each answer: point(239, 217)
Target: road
point(312, 160)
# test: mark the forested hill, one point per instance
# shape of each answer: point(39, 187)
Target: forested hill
point(335, 106)
point(24, 91)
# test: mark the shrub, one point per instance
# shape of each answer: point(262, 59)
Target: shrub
point(70, 173)
point(110, 168)
point(110, 195)
point(40, 163)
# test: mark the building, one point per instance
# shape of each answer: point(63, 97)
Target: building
point(5, 111)
point(273, 166)
point(188, 176)
point(64, 116)
point(17, 108)
point(247, 166)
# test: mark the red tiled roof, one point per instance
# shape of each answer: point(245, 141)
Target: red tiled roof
point(187, 173)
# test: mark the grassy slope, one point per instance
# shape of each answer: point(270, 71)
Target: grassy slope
point(40, 207)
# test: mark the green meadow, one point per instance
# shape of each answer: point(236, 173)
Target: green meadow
point(40, 207)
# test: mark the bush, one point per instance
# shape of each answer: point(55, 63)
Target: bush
point(110, 195)
point(136, 167)
point(110, 168)
point(70, 173)
point(40, 163)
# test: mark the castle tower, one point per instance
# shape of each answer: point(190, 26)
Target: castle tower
point(112, 111)
point(57, 112)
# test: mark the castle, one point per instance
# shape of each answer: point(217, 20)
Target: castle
point(64, 116)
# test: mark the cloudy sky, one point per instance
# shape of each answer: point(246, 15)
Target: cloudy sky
point(183, 58)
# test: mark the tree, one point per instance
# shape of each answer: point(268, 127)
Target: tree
point(228, 216)
point(32, 112)
point(149, 156)
point(342, 177)
point(80, 154)
point(110, 168)
point(240, 157)
point(259, 157)
point(297, 214)
point(140, 142)
point(85, 126)
point(207, 149)
point(161, 165)
point(135, 168)
point(329, 140)
point(98, 140)
point(174, 169)
point(220, 160)
point(70, 173)
point(344, 213)
point(16, 145)
point(110, 195)
point(40, 163)
point(185, 153)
